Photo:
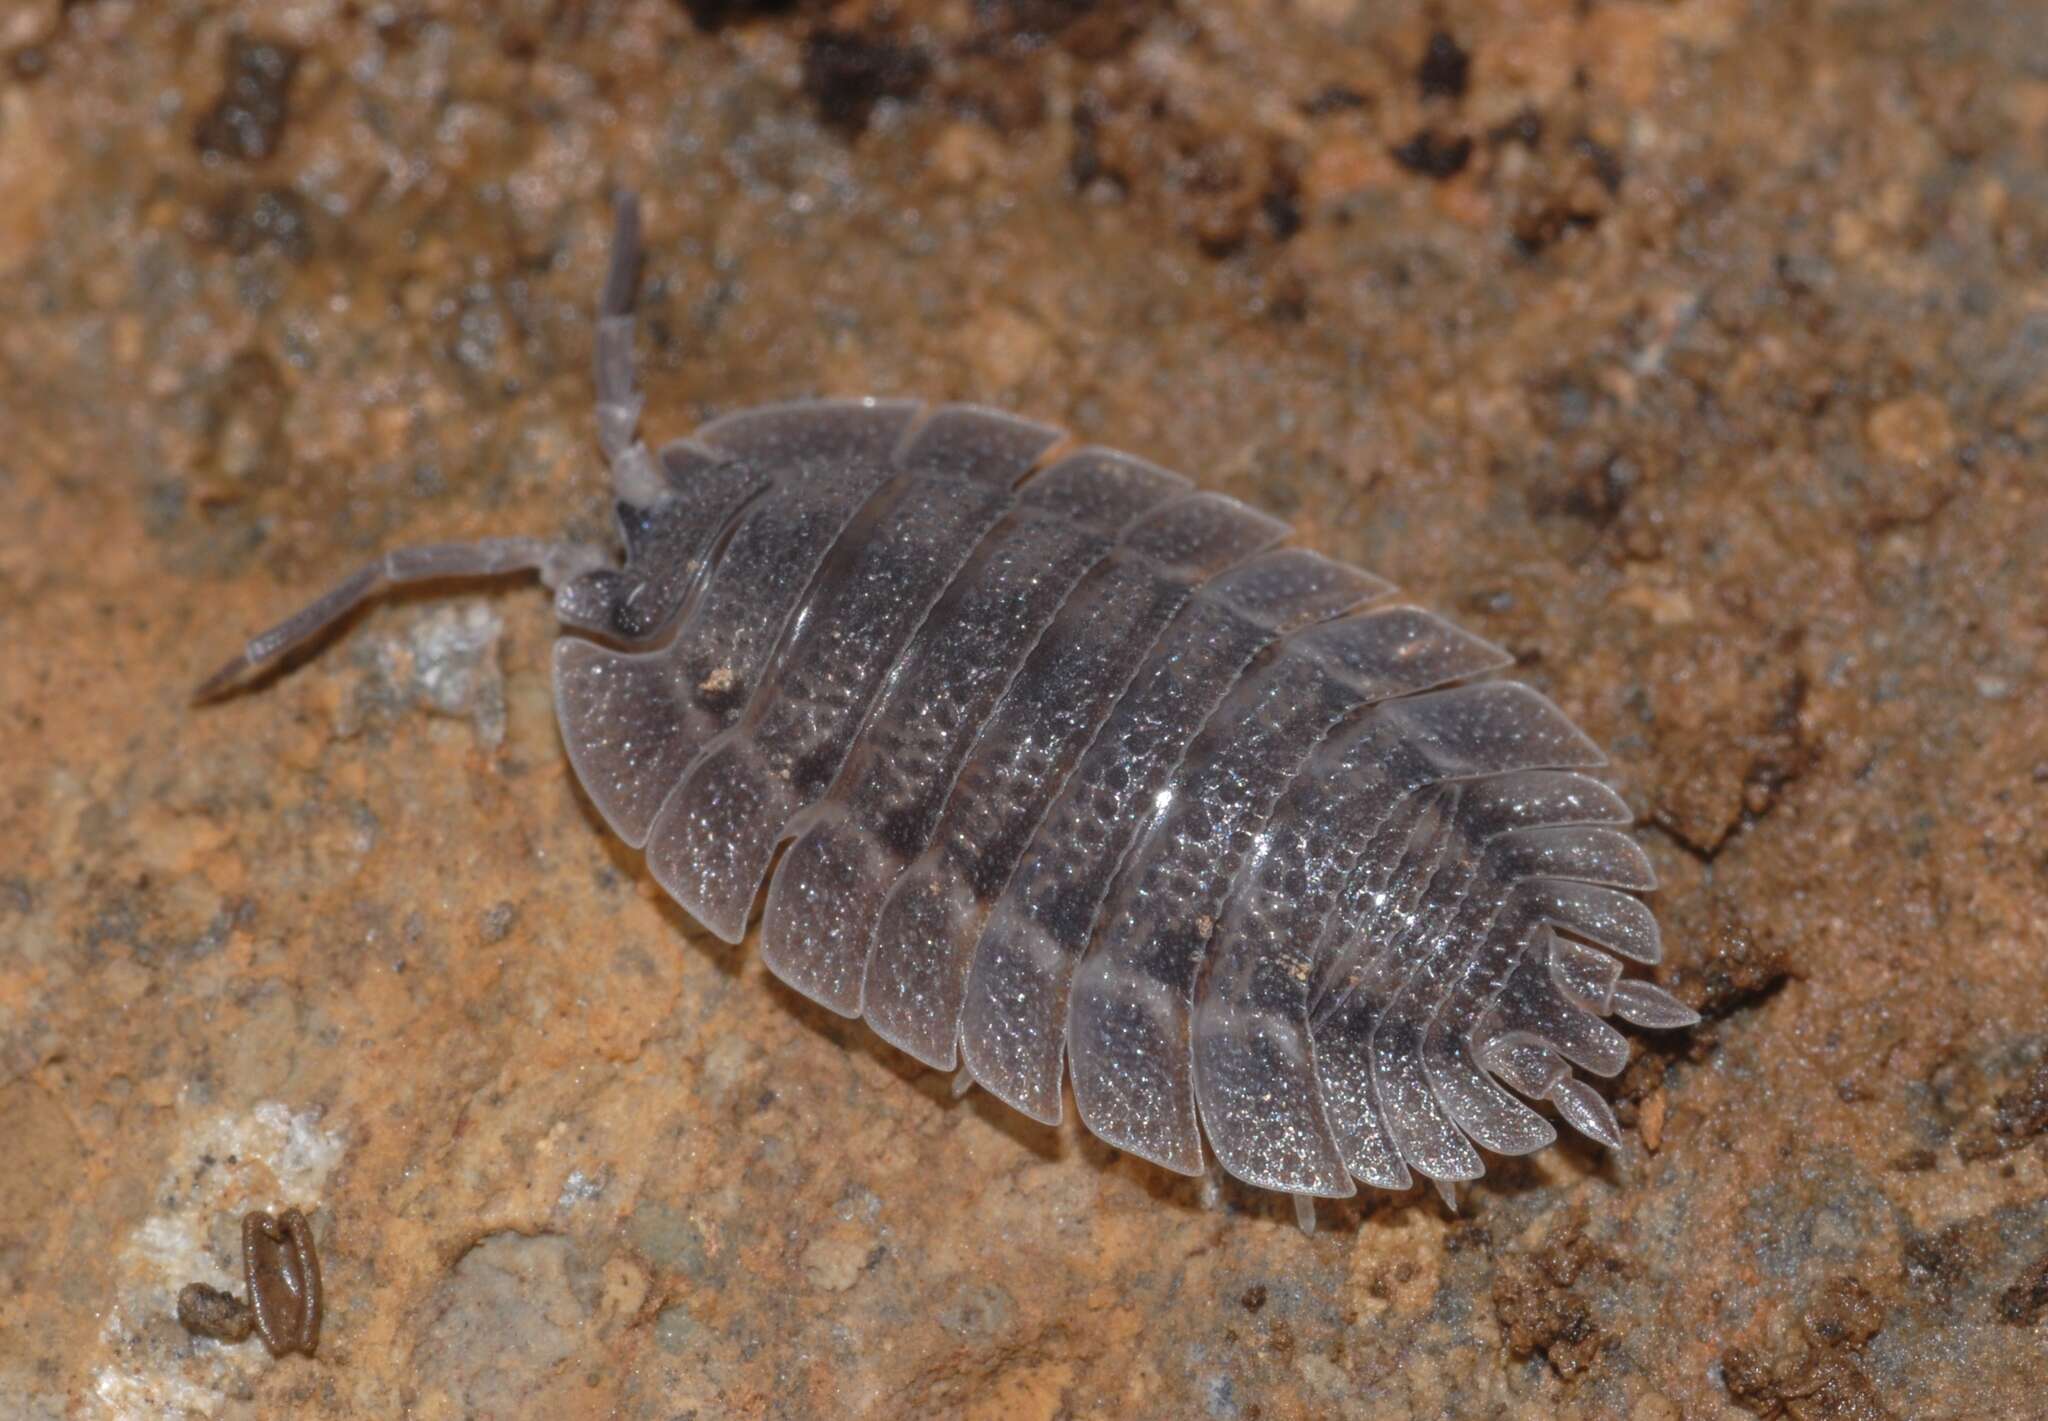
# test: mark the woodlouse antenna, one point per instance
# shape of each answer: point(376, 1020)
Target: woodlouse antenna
point(401, 567)
point(636, 480)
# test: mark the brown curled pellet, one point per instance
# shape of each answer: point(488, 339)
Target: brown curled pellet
point(283, 1274)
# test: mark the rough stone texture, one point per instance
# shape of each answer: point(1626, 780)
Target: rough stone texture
point(1696, 351)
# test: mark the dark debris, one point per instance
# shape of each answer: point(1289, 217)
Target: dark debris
point(2026, 1301)
point(247, 122)
point(848, 72)
point(1538, 1309)
point(206, 1311)
point(1435, 155)
point(1814, 1375)
point(1445, 69)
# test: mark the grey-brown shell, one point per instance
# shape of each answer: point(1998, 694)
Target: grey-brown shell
point(1080, 769)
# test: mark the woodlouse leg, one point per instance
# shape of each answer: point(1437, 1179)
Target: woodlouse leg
point(963, 1082)
point(636, 479)
point(430, 562)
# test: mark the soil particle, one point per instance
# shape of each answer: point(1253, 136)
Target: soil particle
point(1333, 99)
point(1814, 1375)
point(207, 1311)
point(1943, 1264)
point(711, 15)
point(848, 72)
point(1821, 1386)
point(1732, 964)
point(1445, 68)
point(2016, 1117)
point(1538, 1309)
point(510, 1310)
point(2026, 1301)
point(1843, 1313)
point(247, 121)
point(1435, 154)
point(248, 220)
point(2023, 1112)
point(1137, 141)
point(246, 440)
point(29, 22)
point(1750, 702)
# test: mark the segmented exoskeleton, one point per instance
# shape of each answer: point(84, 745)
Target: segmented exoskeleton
point(1081, 770)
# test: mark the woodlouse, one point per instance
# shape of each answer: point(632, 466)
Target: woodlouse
point(1079, 770)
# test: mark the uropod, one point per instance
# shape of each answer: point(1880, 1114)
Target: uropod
point(1081, 774)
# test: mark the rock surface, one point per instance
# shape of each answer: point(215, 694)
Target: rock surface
point(1696, 351)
